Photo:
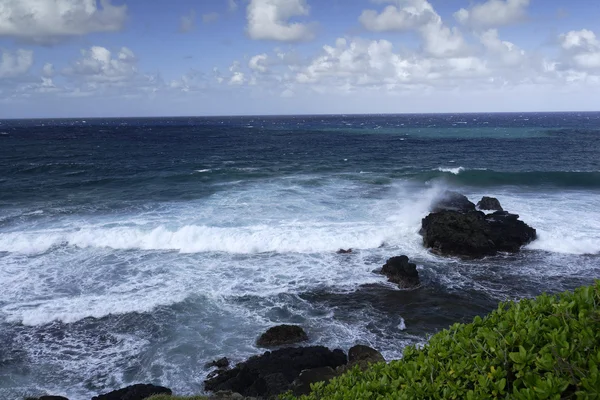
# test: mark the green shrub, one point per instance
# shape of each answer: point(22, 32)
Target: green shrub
point(543, 348)
point(164, 397)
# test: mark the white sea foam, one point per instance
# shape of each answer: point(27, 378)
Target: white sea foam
point(454, 171)
point(194, 239)
point(566, 222)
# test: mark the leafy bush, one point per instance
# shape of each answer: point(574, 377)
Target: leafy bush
point(164, 397)
point(543, 348)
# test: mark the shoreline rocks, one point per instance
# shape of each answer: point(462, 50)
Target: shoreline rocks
point(489, 203)
point(466, 232)
point(401, 272)
point(282, 335)
point(134, 392)
point(273, 373)
point(47, 398)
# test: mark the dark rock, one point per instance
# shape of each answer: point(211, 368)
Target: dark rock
point(452, 201)
point(473, 234)
point(135, 392)
point(363, 356)
point(489, 203)
point(282, 335)
point(221, 363)
point(509, 233)
point(361, 353)
point(263, 376)
point(301, 386)
point(400, 271)
point(47, 398)
point(342, 251)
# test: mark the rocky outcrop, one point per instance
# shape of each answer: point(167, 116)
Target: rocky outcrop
point(363, 356)
point(475, 234)
point(401, 272)
point(452, 201)
point(489, 203)
point(282, 335)
point(221, 363)
point(47, 398)
point(301, 385)
point(135, 392)
point(344, 251)
point(273, 372)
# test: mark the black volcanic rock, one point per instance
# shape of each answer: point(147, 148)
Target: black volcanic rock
point(282, 335)
point(273, 372)
point(402, 272)
point(301, 385)
point(221, 363)
point(474, 234)
point(489, 203)
point(47, 398)
point(452, 201)
point(135, 392)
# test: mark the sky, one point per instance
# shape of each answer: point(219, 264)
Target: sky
point(120, 58)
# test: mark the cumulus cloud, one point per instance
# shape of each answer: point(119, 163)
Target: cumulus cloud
point(258, 63)
point(581, 49)
point(50, 21)
point(15, 64)
point(418, 15)
point(413, 15)
point(505, 53)
point(493, 13)
point(360, 63)
point(99, 64)
point(270, 20)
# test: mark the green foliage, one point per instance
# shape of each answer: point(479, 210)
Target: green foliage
point(165, 397)
point(543, 348)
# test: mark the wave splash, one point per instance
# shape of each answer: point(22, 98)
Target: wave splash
point(197, 239)
point(454, 171)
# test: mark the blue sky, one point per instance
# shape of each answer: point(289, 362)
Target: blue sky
point(63, 58)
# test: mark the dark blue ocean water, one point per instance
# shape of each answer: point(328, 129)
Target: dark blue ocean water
point(136, 250)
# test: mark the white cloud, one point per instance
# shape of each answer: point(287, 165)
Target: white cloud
point(258, 63)
point(413, 15)
point(493, 13)
point(232, 5)
point(441, 41)
point(210, 17)
point(48, 70)
point(506, 53)
point(188, 22)
point(350, 65)
point(98, 64)
point(15, 64)
point(581, 49)
point(419, 15)
point(269, 20)
point(49, 21)
point(237, 78)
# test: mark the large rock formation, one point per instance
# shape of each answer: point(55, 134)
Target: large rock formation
point(47, 398)
point(474, 234)
point(489, 203)
point(135, 392)
point(273, 372)
point(282, 335)
point(402, 272)
point(453, 201)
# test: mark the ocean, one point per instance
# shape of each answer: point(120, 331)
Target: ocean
point(136, 250)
